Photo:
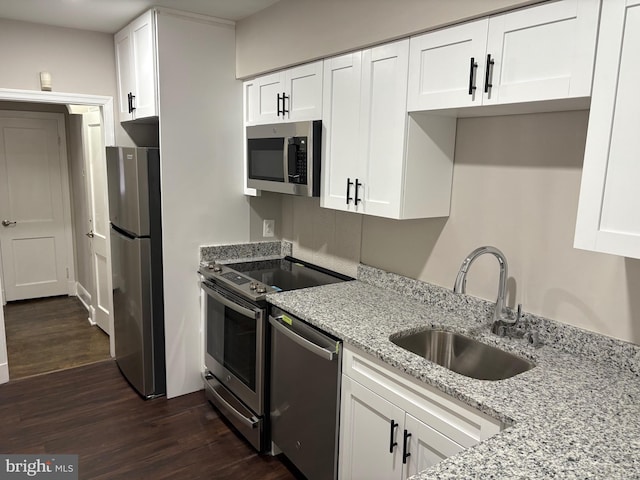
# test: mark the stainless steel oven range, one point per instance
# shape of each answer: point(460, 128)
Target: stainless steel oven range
point(236, 344)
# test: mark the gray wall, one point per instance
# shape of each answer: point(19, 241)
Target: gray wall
point(296, 31)
point(79, 61)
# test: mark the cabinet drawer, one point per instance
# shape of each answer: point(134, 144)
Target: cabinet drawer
point(454, 419)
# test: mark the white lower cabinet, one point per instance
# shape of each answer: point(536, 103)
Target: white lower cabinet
point(369, 441)
point(392, 426)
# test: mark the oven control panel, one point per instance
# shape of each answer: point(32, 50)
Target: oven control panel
point(235, 281)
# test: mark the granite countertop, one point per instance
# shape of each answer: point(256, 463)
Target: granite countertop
point(576, 414)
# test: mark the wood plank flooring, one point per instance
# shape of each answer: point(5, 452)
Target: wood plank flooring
point(48, 334)
point(92, 411)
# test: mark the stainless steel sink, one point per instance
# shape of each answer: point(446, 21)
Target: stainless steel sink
point(462, 354)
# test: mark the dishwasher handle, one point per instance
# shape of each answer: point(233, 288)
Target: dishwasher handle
point(303, 342)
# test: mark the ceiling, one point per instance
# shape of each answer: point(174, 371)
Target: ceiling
point(111, 15)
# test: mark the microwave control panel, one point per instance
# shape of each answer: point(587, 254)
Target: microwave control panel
point(298, 160)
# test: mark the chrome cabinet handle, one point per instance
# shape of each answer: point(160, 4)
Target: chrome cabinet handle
point(6, 223)
point(90, 234)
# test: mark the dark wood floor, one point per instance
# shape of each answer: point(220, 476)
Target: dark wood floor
point(92, 411)
point(49, 334)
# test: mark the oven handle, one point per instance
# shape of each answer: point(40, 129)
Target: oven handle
point(249, 422)
point(303, 342)
point(228, 303)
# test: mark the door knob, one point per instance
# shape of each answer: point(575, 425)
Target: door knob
point(6, 223)
point(90, 234)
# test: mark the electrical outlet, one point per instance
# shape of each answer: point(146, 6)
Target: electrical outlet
point(268, 228)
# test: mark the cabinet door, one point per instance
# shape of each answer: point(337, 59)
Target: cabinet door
point(426, 446)
point(366, 435)
point(542, 52)
point(292, 95)
point(304, 91)
point(264, 105)
point(446, 67)
point(384, 99)
point(341, 123)
point(144, 61)
point(609, 208)
point(124, 72)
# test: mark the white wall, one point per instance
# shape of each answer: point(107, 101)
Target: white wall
point(322, 236)
point(79, 61)
point(296, 31)
point(201, 157)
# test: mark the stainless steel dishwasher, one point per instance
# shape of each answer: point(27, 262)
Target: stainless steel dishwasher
point(305, 395)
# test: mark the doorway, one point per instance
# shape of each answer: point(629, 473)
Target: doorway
point(100, 137)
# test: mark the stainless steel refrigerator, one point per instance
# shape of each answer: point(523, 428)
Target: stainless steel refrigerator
point(136, 259)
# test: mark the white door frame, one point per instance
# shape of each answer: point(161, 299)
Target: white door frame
point(33, 96)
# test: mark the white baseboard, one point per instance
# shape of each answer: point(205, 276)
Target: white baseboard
point(92, 316)
point(4, 372)
point(85, 298)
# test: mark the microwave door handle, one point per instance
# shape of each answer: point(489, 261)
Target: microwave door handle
point(228, 303)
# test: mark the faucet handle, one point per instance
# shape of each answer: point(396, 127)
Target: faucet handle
point(519, 314)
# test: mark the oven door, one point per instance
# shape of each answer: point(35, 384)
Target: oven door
point(235, 345)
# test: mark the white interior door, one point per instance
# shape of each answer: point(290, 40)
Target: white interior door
point(98, 222)
point(35, 231)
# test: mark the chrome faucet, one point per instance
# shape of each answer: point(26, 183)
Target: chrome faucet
point(500, 316)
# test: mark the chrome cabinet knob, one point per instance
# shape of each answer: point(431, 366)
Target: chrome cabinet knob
point(6, 223)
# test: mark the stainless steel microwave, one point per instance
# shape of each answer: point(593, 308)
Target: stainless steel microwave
point(285, 157)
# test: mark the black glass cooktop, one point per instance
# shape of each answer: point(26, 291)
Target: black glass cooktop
point(288, 273)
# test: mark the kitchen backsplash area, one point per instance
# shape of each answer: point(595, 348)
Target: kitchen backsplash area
point(515, 186)
point(321, 236)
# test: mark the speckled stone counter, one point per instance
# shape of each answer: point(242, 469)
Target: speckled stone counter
point(240, 252)
point(576, 414)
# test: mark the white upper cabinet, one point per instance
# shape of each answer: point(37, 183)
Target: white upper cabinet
point(136, 68)
point(377, 160)
point(446, 65)
point(291, 95)
point(543, 52)
point(609, 207)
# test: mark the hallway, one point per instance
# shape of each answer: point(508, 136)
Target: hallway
point(49, 334)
